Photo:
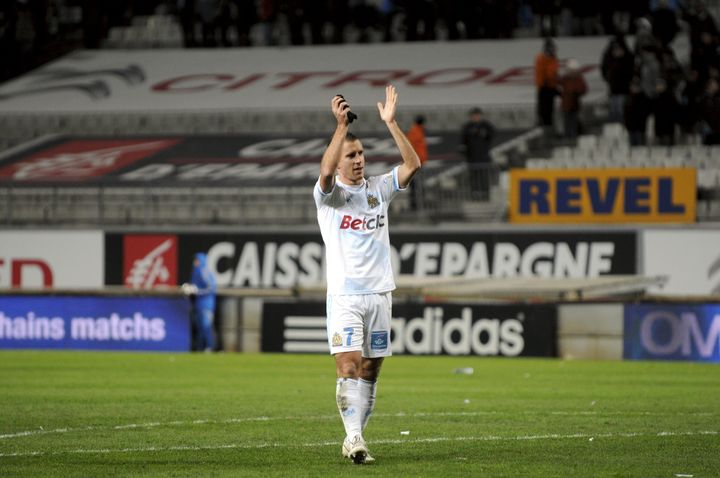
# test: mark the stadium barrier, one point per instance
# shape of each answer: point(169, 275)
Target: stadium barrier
point(499, 317)
point(568, 321)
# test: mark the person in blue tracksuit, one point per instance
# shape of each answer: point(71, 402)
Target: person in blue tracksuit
point(204, 311)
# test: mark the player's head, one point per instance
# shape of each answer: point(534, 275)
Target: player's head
point(351, 167)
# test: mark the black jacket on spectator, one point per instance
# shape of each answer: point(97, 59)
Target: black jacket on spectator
point(618, 65)
point(664, 25)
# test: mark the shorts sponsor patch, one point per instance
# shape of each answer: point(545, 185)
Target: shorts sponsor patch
point(379, 340)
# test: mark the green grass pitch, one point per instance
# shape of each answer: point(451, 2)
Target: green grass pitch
point(130, 414)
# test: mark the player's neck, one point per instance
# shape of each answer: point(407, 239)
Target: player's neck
point(350, 182)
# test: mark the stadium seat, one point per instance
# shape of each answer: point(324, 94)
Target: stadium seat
point(587, 142)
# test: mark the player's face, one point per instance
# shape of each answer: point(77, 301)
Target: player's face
point(352, 163)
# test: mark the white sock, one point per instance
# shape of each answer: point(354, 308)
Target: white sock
point(347, 395)
point(368, 389)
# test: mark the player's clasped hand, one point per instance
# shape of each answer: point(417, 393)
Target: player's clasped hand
point(341, 110)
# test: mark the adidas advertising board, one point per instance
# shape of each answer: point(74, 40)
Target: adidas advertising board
point(287, 258)
point(433, 329)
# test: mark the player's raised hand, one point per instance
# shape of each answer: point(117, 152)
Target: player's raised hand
point(387, 111)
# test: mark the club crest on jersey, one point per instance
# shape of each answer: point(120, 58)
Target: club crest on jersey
point(336, 340)
point(372, 201)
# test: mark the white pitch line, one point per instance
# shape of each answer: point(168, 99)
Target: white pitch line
point(486, 438)
point(42, 431)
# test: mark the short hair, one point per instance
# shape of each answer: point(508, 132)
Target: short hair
point(348, 137)
point(476, 111)
point(420, 119)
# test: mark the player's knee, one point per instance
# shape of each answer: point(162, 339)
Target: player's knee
point(348, 368)
point(370, 369)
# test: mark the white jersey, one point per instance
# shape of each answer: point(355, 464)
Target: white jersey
point(354, 225)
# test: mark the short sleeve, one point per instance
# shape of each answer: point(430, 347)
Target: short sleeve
point(389, 184)
point(334, 198)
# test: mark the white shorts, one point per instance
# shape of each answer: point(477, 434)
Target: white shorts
point(360, 322)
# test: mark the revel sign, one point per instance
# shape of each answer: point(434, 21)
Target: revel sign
point(603, 195)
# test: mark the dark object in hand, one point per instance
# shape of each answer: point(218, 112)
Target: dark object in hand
point(350, 115)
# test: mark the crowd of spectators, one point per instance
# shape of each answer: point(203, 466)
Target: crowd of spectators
point(647, 79)
point(33, 30)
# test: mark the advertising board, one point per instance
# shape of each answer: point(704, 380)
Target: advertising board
point(290, 258)
point(95, 323)
point(427, 74)
point(432, 329)
point(577, 196)
point(672, 332)
point(690, 259)
point(51, 259)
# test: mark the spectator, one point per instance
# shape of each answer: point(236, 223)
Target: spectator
point(9, 47)
point(339, 15)
point(477, 138)
point(699, 20)
point(689, 107)
point(224, 22)
point(267, 16)
point(547, 12)
point(246, 18)
point(710, 104)
point(644, 38)
point(296, 18)
point(209, 12)
point(546, 77)
point(186, 15)
point(416, 136)
point(93, 21)
point(316, 13)
point(420, 18)
point(704, 55)
point(617, 71)
point(664, 22)
point(202, 287)
point(616, 16)
point(572, 89)
point(665, 111)
point(637, 110)
point(649, 74)
point(452, 15)
point(586, 14)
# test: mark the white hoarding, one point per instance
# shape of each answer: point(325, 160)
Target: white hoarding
point(56, 259)
point(462, 74)
point(690, 259)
